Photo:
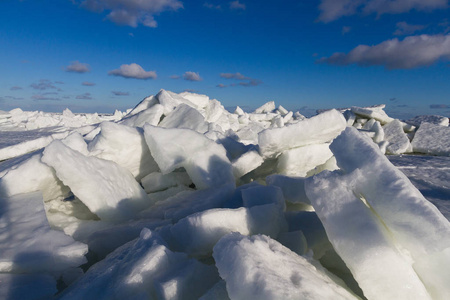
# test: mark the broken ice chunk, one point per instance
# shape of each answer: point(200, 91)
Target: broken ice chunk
point(298, 161)
point(205, 161)
point(432, 139)
point(398, 140)
point(107, 189)
point(28, 244)
point(126, 146)
point(316, 130)
point(259, 267)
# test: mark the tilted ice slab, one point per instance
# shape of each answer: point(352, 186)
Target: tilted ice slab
point(415, 224)
point(184, 116)
point(298, 161)
point(432, 139)
point(170, 100)
point(126, 146)
point(398, 141)
point(107, 189)
point(152, 116)
point(259, 267)
point(205, 161)
point(263, 214)
point(316, 130)
point(28, 244)
point(361, 240)
point(374, 112)
point(31, 175)
point(144, 269)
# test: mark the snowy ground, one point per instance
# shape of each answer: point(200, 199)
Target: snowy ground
point(178, 198)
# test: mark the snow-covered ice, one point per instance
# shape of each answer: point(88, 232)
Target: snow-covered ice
point(179, 198)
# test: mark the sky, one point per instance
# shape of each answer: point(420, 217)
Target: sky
point(102, 55)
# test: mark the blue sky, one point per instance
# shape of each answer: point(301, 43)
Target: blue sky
point(99, 55)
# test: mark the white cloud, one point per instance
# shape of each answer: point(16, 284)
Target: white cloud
point(331, 10)
point(132, 12)
point(44, 97)
point(237, 5)
point(119, 93)
point(404, 28)
point(133, 71)
point(78, 67)
point(192, 76)
point(212, 6)
point(44, 84)
point(236, 75)
point(175, 77)
point(15, 88)
point(412, 52)
point(85, 96)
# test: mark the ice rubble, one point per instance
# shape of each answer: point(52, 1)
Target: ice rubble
point(178, 198)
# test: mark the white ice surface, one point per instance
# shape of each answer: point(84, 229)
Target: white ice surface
point(205, 161)
point(316, 130)
point(126, 146)
point(184, 116)
point(298, 161)
point(258, 267)
point(107, 189)
point(28, 244)
point(432, 139)
point(398, 141)
point(433, 119)
point(375, 112)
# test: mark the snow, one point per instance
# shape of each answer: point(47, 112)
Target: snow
point(180, 198)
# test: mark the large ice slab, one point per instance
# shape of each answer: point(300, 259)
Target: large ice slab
point(184, 116)
point(361, 239)
point(141, 269)
point(205, 161)
point(374, 112)
point(152, 116)
point(107, 189)
point(31, 175)
point(398, 141)
point(28, 244)
point(258, 267)
point(415, 224)
point(432, 139)
point(316, 130)
point(126, 146)
point(298, 161)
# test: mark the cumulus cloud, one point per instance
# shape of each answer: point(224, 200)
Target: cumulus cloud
point(237, 5)
point(45, 97)
point(331, 10)
point(245, 80)
point(133, 71)
point(119, 93)
point(87, 83)
point(404, 28)
point(78, 67)
point(439, 106)
point(44, 84)
point(132, 12)
point(85, 96)
point(212, 6)
point(236, 75)
point(412, 52)
point(192, 76)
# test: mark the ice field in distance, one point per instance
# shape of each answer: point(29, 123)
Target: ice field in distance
point(178, 198)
